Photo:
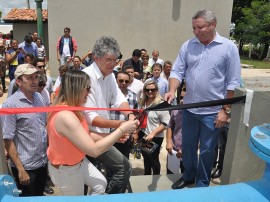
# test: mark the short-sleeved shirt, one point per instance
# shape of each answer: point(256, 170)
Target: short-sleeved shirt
point(154, 119)
point(176, 125)
point(28, 131)
point(30, 49)
point(133, 104)
point(104, 93)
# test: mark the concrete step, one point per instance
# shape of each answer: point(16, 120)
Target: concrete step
point(148, 183)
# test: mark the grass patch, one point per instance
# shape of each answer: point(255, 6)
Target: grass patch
point(256, 63)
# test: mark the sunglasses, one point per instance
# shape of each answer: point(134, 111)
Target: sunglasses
point(122, 81)
point(88, 89)
point(40, 67)
point(150, 90)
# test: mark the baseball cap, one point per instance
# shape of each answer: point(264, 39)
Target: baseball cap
point(25, 69)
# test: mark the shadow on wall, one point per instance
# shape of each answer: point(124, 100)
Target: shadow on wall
point(176, 10)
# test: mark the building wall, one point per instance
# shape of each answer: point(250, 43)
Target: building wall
point(21, 29)
point(151, 24)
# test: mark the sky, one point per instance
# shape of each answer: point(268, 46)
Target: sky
point(7, 5)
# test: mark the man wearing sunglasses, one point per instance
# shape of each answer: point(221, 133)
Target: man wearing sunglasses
point(66, 47)
point(122, 79)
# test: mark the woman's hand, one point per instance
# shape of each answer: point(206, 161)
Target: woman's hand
point(169, 147)
point(150, 137)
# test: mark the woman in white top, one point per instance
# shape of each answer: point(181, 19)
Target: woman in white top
point(156, 123)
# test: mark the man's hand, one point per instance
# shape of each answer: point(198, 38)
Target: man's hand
point(131, 117)
point(23, 177)
point(179, 154)
point(221, 119)
point(169, 97)
point(135, 136)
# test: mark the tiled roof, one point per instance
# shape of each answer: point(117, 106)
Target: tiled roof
point(24, 14)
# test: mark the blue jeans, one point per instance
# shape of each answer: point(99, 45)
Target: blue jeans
point(119, 166)
point(197, 130)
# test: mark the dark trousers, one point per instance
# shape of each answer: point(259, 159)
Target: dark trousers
point(3, 81)
point(220, 149)
point(124, 148)
point(151, 161)
point(119, 165)
point(37, 184)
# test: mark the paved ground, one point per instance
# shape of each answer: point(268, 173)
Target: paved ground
point(252, 77)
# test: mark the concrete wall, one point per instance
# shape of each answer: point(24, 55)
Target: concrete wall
point(240, 164)
point(151, 24)
point(22, 29)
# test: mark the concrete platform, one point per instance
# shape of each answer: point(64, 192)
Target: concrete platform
point(149, 183)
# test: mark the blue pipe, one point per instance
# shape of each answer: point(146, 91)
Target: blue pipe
point(250, 191)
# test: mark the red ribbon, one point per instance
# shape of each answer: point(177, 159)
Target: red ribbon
point(4, 111)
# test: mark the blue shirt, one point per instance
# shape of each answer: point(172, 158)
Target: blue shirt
point(30, 49)
point(28, 131)
point(163, 85)
point(209, 71)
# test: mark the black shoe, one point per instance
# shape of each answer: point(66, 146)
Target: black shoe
point(181, 183)
point(48, 190)
point(216, 173)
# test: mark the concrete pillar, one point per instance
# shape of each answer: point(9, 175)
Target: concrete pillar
point(240, 164)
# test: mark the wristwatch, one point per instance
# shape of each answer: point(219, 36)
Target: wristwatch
point(227, 110)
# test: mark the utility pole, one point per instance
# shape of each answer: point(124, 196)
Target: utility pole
point(28, 4)
point(39, 19)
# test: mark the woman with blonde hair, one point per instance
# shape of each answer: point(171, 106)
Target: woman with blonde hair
point(156, 123)
point(70, 140)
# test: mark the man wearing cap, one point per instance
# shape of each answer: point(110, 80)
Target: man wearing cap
point(25, 135)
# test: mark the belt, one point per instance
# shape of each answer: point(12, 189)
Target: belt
point(57, 166)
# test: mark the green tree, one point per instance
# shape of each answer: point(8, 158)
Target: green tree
point(237, 16)
point(254, 26)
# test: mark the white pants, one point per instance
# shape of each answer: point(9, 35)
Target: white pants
point(70, 180)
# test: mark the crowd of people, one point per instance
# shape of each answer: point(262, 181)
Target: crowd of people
point(70, 147)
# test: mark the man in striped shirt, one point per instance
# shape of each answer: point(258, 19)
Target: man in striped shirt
point(25, 135)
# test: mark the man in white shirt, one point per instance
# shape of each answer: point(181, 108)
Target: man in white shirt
point(155, 59)
point(104, 93)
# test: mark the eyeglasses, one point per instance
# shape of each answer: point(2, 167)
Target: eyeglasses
point(150, 90)
point(122, 81)
point(40, 67)
point(109, 60)
point(88, 89)
point(41, 85)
